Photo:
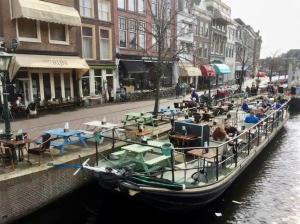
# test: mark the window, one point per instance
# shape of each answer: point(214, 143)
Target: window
point(58, 33)
point(28, 30)
point(122, 4)
point(200, 50)
point(86, 8)
point(132, 34)
point(85, 85)
point(131, 5)
point(122, 32)
point(154, 7)
point(98, 81)
point(142, 39)
point(67, 80)
point(104, 10)
point(88, 42)
point(105, 44)
point(205, 52)
point(141, 6)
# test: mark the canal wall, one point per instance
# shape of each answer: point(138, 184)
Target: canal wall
point(36, 187)
point(27, 190)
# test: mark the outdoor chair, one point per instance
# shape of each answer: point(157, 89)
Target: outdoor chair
point(31, 110)
point(6, 155)
point(41, 148)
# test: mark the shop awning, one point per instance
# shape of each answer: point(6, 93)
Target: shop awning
point(47, 62)
point(189, 70)
point(45, 11)
point(134, 67)
point(208, 70)
point(239, 68)
point(261, 74)
point(222, 69)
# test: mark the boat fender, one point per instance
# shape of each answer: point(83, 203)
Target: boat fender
point(132, 192)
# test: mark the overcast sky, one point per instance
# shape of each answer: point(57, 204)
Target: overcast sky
point(278, 22)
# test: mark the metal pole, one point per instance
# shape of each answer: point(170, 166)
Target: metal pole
point(113, 137)
point(6, 112)
point(96, 143)
point(172, 164)
point(249, 141)
point(258, 135)
point(217, 164)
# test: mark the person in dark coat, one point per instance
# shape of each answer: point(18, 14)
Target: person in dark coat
point(177, 90)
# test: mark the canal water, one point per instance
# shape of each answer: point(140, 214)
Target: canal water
point(268, 192)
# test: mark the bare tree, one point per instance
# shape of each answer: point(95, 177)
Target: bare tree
point(244, 57)
point(161, 29)
point(273, 64)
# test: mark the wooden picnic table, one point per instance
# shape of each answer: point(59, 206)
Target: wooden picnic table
point(145, 118)
point(67, 138)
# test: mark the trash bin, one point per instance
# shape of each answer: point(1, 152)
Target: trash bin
point(167, 149)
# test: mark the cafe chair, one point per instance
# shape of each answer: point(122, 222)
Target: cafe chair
point(31, 110)
point(41, 148)
point(6, 155)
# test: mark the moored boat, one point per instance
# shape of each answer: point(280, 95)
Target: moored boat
point(186, 176)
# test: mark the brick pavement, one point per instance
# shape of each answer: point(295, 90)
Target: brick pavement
point(113, 113)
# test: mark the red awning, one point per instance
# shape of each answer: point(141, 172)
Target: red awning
point(208, 70)
point(261, 74)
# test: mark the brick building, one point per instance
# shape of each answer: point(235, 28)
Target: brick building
point(135, 47)
point(96, 46)
point(47, 64)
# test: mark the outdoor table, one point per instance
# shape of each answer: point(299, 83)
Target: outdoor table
point(183, 140)
point(137, 151)
point(146, 118)
point(66, 136)
point(102, 126)
point(18, 145)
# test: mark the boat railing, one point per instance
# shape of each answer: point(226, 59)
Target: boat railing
point(233, 153)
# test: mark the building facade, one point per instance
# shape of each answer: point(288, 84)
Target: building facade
point(230, 53)
point(135, 44)
point(248, 46)
point(47, 63)
point(201, 38)
point(187, 71)
point(96, 46)
point(221, 18)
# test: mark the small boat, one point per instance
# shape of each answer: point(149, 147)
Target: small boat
point(186, 177)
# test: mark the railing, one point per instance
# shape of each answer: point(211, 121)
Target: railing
point(242, 146)
point(225, 161)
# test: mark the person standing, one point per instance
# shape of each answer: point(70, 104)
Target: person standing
point(177, 90)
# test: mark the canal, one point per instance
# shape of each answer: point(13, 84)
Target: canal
point(268, 192)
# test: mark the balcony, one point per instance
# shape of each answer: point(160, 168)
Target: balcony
point(221, 17)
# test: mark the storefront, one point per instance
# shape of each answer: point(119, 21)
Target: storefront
point(208, 77)
point(222, 70)
point(42, 78)
point(100, 82)
point(189, 74)
point(139, 73)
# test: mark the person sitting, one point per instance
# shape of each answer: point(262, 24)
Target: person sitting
point(245, 106)
point(220, 134)
point(276, 105)
point(192, 103)
point(206, 116)
point(251, 118)
point(231, 130)
point(195, 95)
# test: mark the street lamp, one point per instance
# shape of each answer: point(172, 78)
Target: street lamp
point(5, 60)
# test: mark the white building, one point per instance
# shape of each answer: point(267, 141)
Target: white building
point(230, 53)
point(186, 70)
